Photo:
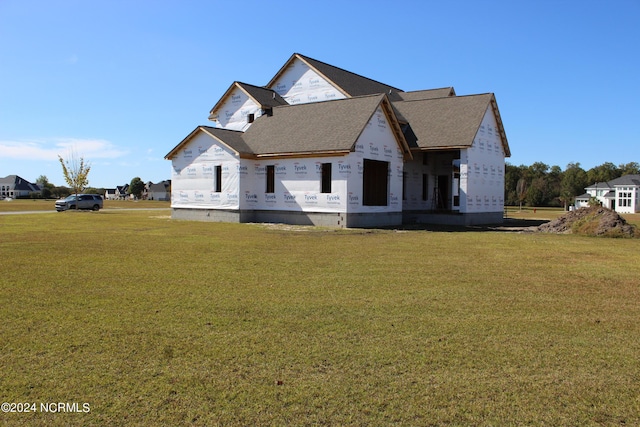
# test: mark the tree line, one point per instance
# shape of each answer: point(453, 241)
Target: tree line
point(544, 185)
point(49, 190)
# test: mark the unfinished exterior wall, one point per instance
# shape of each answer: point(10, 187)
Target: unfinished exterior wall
point(482, 170)
point(234, 113)
point(297, 183)
point(195, 174)
point(299, 84)
point(376, 143)
point(297, 195)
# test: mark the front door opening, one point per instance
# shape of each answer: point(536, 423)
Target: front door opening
point(375, 183)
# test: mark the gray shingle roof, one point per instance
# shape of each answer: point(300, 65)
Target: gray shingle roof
point(19, 183)
point(303, 129)
point(626, 180)
point(427, 94)
point(449, 122)
point(316, 127)
point(231, 138)
point(265, 97)
point(431, 119)
point(623, 180)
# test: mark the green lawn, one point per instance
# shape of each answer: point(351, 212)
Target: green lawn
point(159, 322)
point(49, 205)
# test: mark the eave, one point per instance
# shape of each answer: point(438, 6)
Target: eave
point(301, 154)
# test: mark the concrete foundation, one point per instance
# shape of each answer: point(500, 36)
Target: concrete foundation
point(339, 220)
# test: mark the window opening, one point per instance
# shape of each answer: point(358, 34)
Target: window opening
point(271, 176)
point(218, 174)
point(325, 178)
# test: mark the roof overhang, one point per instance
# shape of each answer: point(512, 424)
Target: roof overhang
point(503, 135)
point(301, 154)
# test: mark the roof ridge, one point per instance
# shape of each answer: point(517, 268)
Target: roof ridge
point(446, 97)
point(347, 71)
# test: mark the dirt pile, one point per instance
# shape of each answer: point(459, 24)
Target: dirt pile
point(591, 221)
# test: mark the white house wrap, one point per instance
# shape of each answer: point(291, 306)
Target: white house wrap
point(321, 145)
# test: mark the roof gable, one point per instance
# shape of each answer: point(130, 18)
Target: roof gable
point(261, 96)
point(230, 138)
point(350, 84)
point(450, 122)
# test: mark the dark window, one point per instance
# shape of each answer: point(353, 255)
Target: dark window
point(251, 118)
point(271, 177)
point(218, 183)
point(404, 186)
point(425, 186)
point(326, 178)
point(375, 183)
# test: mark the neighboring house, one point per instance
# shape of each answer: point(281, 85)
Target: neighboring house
point(321, 145)
point(621, 194)
point(159, 191)
point(13, 186)
point(110, 194)
point(122, 191)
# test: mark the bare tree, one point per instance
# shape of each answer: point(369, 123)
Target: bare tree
point(75, 172)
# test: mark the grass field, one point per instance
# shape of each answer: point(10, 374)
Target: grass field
point(158, 322)
point(49, 205)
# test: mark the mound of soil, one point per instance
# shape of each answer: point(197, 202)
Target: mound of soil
point(591, 221)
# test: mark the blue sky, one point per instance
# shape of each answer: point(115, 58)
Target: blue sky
point(120, 83)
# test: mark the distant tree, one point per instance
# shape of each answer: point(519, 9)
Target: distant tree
point(94, 190)
point(632, 168)
point(511, 176)
point(543, 186)
point(42, 180)
point(603, 173)
point(554, 185)
point(136, 187)
point(45, 186)
point(565, 198)
point(538, 169)
point(60, 192)
point(574, 181)
point(536, 194)
point(76, 173)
